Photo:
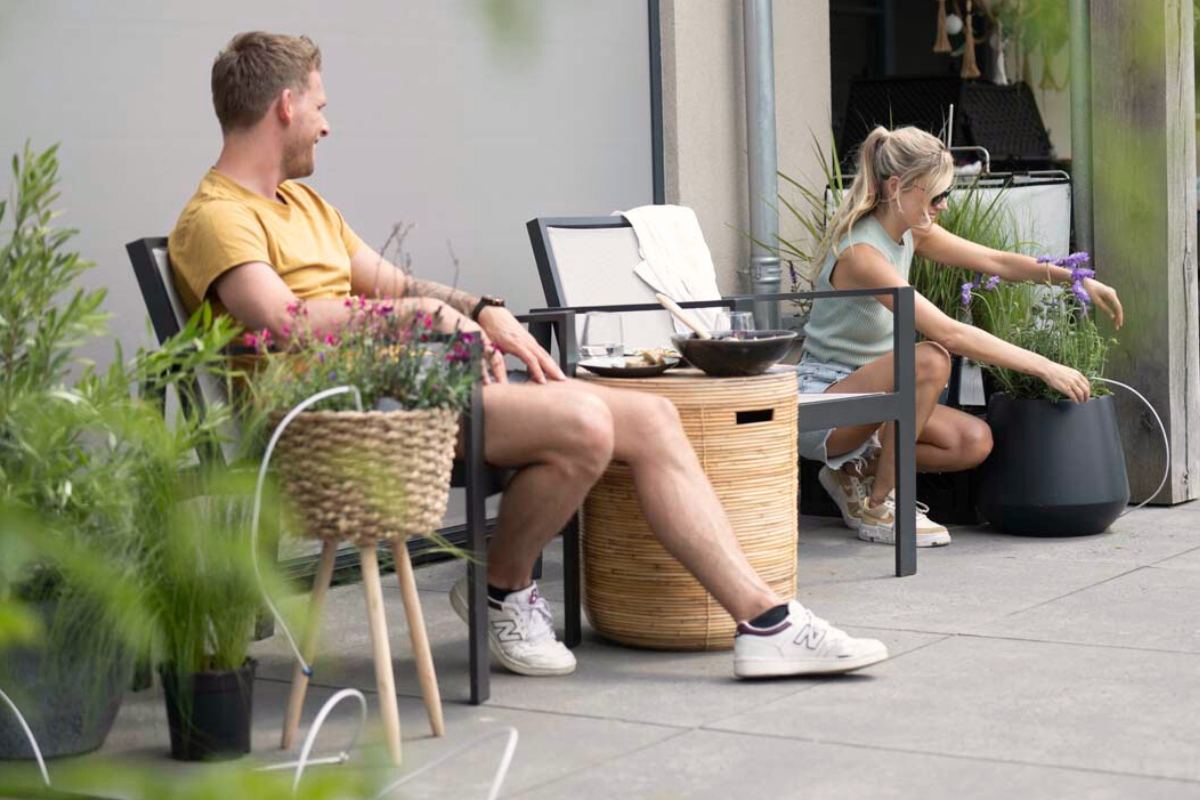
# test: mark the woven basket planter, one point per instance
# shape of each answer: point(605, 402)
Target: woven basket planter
point(368, 477)
point(744, 433)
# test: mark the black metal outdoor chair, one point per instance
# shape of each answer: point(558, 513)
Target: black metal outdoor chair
point(585, 264)
point(167, 315)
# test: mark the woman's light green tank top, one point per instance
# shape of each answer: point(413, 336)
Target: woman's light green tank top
point(855, 330)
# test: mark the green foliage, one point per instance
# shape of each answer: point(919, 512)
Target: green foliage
point(1044, 319)
point(977, 218)
point(92, 477)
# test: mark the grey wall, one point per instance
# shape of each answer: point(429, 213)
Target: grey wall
point(442, 113)
point(704, 115)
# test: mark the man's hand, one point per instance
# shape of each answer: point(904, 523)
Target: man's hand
point(511, 337)
point(1105, 297)
point(447, 320)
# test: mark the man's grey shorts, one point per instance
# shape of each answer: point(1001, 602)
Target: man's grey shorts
point(815, 377)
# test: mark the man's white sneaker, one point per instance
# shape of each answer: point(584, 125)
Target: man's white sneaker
point(520, 632)
point(846, 490)
point(803, 644)
point(877, 523)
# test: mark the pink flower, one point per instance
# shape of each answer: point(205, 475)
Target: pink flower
point(250, 340)
point(329, 340)
point(286, 331)
point(349, 303)
point(294, 308)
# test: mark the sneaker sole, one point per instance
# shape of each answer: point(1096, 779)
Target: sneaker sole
point(773, 668)
point(835, 493)
point(871, 533)
point(459, 604)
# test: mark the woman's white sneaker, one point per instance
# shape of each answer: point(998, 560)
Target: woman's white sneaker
point(847, 492)
point(520, 632)
point(877, 523)
point(803, 644)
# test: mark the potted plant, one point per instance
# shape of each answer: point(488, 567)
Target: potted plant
point(382, 472)
point(203, 595)
point(76, 456)
point(1057, 467)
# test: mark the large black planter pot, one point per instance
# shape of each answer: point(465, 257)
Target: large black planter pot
point(209, 713)
point(69, 703)
point(1057, 468)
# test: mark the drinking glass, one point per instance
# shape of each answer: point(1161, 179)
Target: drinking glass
point(741, 322)
point(603, 336)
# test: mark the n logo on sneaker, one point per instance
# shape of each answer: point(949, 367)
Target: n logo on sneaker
point(809, 637)
point(506, 630)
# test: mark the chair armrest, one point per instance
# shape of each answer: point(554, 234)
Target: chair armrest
point(558, 323)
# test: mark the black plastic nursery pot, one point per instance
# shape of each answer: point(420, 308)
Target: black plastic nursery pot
point(1057, 468)
point(209, 713)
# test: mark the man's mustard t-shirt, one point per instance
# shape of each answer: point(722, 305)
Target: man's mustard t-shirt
point(225, 225)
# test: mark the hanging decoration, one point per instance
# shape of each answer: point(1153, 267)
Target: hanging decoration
point(970, 69)
point(941, 43)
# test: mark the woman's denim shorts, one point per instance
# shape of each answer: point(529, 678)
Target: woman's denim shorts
point(815, 377)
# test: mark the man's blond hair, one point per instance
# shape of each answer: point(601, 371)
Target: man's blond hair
point(253, 69)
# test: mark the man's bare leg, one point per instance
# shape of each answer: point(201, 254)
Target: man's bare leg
point(561, 446)
point(547, 426)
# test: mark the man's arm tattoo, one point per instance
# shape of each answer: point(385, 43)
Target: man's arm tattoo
point(462, 302)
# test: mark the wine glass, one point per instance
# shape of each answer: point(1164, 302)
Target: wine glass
point(741, 323)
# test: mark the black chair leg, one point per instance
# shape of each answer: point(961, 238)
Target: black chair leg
point(537, 569)
point(480, 663)
point(571, 583)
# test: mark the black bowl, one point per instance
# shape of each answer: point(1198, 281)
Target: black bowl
point(727, 357)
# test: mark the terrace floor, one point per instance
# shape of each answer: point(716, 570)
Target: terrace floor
point(1021, 668)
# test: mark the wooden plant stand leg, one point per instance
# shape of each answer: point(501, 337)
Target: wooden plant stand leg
point(385, 680)
point(308, 648)
point(420, 640)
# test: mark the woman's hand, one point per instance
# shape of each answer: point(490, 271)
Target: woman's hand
point(1067, 381)
point(1105, 297)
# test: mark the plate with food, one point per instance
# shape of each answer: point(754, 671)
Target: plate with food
point(634, 364)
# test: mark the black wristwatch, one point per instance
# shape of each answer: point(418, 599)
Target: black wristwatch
point(485, 302)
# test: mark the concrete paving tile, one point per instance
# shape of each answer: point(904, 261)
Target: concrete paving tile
point(1126, 711)
point(549, 746)
point(1142, 538)
point(1150, 608)
point(611, 681)
point(852, 583)
point(708, 764)
point(1189, 560)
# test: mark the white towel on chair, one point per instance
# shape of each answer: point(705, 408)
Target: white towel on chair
point(675, 259)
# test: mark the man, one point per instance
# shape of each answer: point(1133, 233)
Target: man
point(253, 241)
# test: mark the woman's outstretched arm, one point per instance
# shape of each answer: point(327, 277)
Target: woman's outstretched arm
point(939, 245)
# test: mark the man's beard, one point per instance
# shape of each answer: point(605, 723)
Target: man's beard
point(298, 161)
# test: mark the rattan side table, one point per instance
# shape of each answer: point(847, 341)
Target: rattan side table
point(744, 433)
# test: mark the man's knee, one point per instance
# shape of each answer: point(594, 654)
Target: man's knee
point(932, 363)
point(586, 443)
point(652, 418)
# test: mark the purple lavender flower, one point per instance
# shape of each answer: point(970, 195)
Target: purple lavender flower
point(1045, 259)
point(1076, 259)
point(333, 375)
point(321, 357)
point(966, 293)
point(1082, 273)
point(1081, 293)
point(991, 283)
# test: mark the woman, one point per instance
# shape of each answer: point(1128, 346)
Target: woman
point(889, 214)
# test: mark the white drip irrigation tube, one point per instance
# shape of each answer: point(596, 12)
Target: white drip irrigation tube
point(319, 720)
point(37, 751)
point(258, 490)
point(1166, 444)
